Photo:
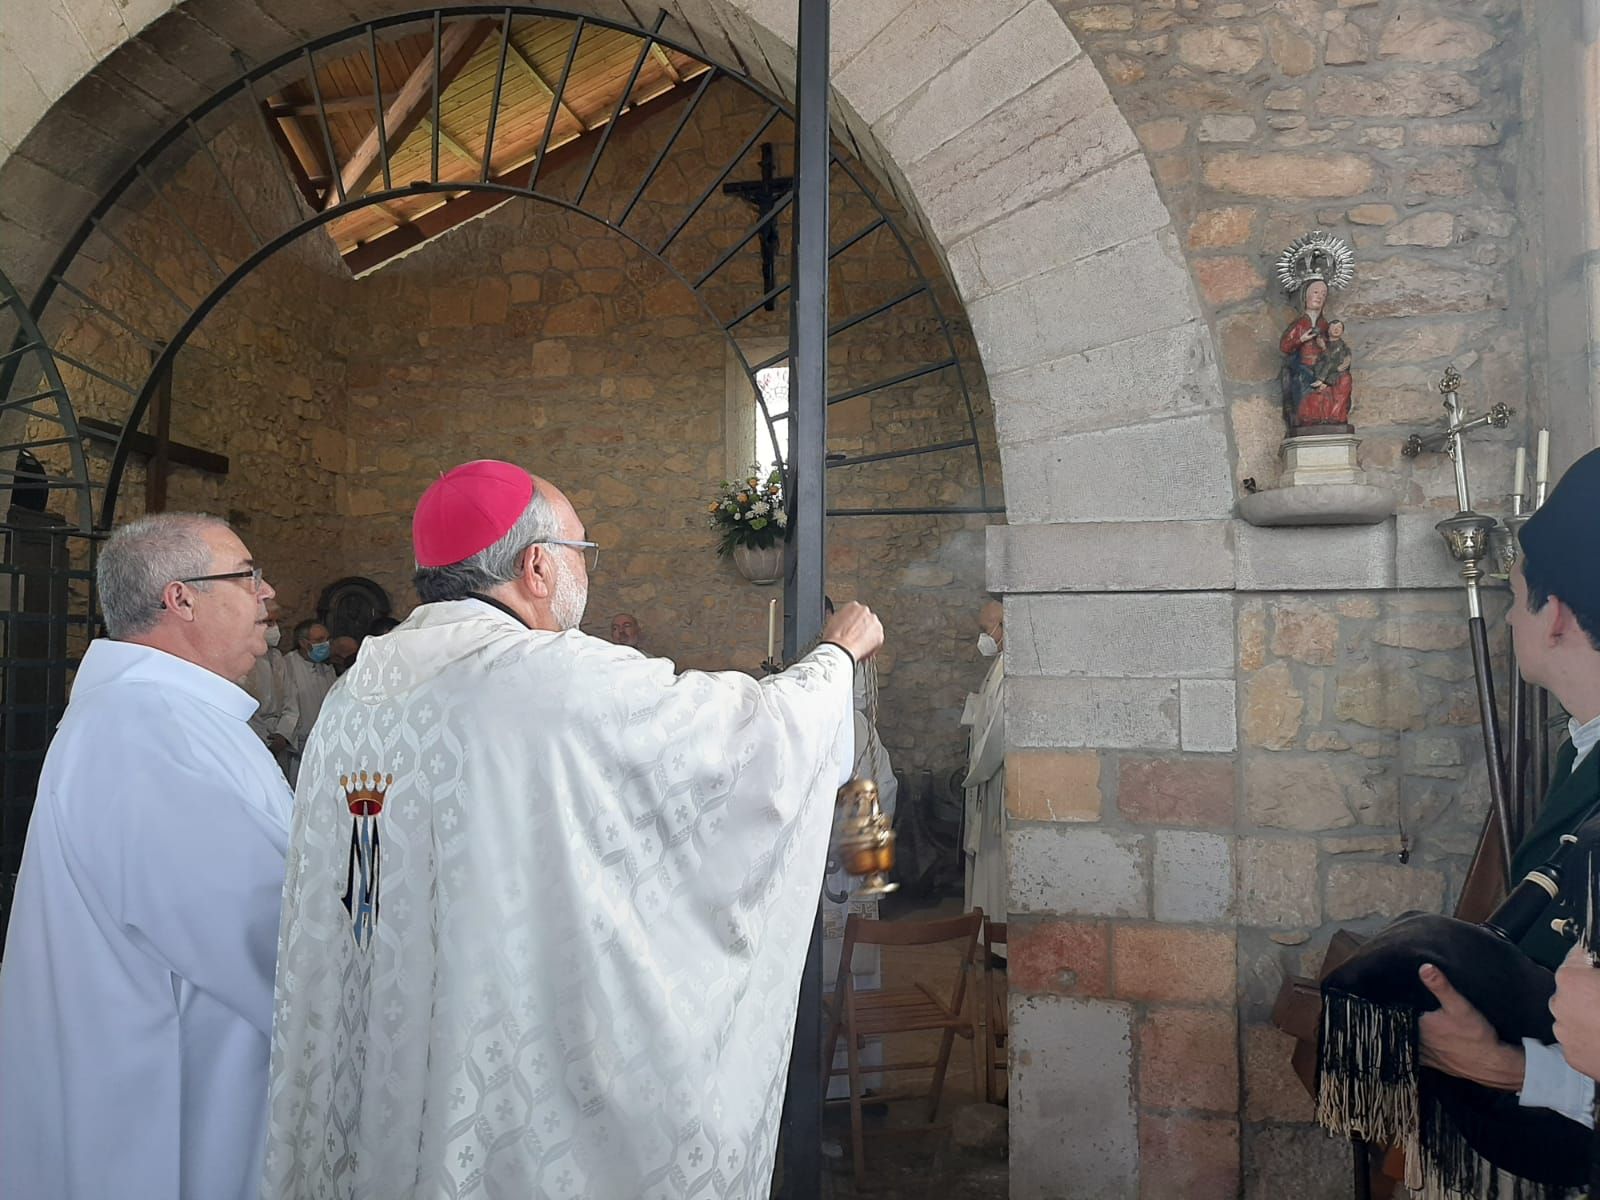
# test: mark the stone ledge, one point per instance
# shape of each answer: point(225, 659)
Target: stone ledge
point(1218, 555)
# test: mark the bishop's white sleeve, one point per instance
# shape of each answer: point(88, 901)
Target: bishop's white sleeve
point(1549, 1082)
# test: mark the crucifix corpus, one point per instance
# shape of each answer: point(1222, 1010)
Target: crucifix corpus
point(763, 194)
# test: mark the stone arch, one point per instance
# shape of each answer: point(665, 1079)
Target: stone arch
point(988, 121)
point(997, 131)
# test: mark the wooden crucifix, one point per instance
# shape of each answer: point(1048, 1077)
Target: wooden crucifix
point(158, 447)
point(763, 194)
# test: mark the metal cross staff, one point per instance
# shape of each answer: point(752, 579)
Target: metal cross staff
point(1467, 536)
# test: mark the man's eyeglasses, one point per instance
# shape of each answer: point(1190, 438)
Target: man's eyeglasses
point(253, 574)
point(591, 549)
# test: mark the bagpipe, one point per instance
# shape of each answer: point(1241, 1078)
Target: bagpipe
point(1461, 1139)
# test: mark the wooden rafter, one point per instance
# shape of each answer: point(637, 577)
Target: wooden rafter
point(453, 212)
point(659, 53)
point(409, 106)
point(539, 81)
point(451, 143)
point(299, 153)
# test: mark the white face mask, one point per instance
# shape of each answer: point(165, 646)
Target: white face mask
point(987, 646)
point(274, 635)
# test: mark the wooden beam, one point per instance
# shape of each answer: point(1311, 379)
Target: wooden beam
point(453, 212)
point(301, 155)
point(532, 72)
point(142, 443)
point(330, 104)
point(451, 144)
point(659, 53)
point(410, 105)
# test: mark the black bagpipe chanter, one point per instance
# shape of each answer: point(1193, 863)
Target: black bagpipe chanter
point(1461, 1139)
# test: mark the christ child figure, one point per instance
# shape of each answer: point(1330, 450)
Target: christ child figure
point(1328, 401)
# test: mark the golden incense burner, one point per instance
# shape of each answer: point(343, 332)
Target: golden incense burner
point(862, 838)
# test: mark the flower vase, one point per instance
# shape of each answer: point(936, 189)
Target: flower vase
point(759, 564)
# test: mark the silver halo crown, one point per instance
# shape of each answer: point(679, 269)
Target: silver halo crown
point(1316, 256)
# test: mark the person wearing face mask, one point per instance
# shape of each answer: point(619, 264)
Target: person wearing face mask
point(277, 706)
point(311, 675)
point(549, 899)
point(983, 837)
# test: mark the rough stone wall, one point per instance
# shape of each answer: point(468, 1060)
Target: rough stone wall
point(1392, 123)
point(260, 382)
point(542, 336)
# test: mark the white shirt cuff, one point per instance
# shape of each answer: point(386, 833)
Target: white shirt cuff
point(1548, 1082)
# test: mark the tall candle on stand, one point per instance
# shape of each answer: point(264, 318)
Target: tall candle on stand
point(772, 630)
point(1541, 470)
point(1519, 490)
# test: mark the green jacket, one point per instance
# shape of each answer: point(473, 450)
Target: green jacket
point(1574, 797)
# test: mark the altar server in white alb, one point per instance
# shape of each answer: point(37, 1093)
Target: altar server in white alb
point(136, 993)
point(547, 901)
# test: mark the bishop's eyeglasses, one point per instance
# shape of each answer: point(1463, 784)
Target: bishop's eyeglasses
point(591, 550)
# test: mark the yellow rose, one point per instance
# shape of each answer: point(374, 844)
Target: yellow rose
point(742, 498)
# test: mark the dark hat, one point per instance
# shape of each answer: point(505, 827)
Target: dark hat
point(1370, 1078)
point(1558, 540)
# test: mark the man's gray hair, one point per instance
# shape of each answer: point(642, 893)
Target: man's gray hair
point(141, 558)
point(493, 565)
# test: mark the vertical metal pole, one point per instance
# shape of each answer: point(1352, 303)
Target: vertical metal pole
point(803, 586)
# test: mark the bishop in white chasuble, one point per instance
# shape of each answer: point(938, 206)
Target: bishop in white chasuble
point(546, 911)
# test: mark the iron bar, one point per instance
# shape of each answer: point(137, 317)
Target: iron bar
point(382, 127)
point(143, 266)
point(60, 441)
point(885, 455)
point(233, 196)
point(622, 103)
point(1517, 750)
point(20, 350)
point(772, 115)
point(661, 155)
point(852, 322)
point(494, 104)
point(145, 339)
point(806, 552)
point(177, 217)
point(96, 373)
point(920, 510)
point(433, 131)
point(1540, 749)
point(737, 245)
point(903, 377)
point(322, 119)
point(550, 117)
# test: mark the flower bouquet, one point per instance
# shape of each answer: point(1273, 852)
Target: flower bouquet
point(749, 512)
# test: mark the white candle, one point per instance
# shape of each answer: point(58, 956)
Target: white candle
point(772, 629)
point(1520, 488)
point(1541, 470)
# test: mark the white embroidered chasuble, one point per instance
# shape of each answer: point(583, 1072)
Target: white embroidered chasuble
point(984, 835)
point(595, 888)
point(136, 993)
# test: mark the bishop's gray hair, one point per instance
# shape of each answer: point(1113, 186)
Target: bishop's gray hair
point(493, 565)
point(141, 558)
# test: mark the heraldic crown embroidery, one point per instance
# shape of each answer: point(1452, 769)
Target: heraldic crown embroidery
point(364, 795)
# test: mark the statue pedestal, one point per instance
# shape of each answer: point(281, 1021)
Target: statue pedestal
point(1321, 458)
point(1322, 484)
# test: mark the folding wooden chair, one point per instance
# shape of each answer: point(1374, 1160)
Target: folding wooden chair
point(860, 1014)
point(996, 1017)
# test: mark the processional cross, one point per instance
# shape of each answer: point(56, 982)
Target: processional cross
point(764, 194)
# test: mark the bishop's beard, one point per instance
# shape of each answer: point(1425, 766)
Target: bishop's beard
point(571, 597)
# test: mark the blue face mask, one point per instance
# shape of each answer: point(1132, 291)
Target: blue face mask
point(321, 652)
